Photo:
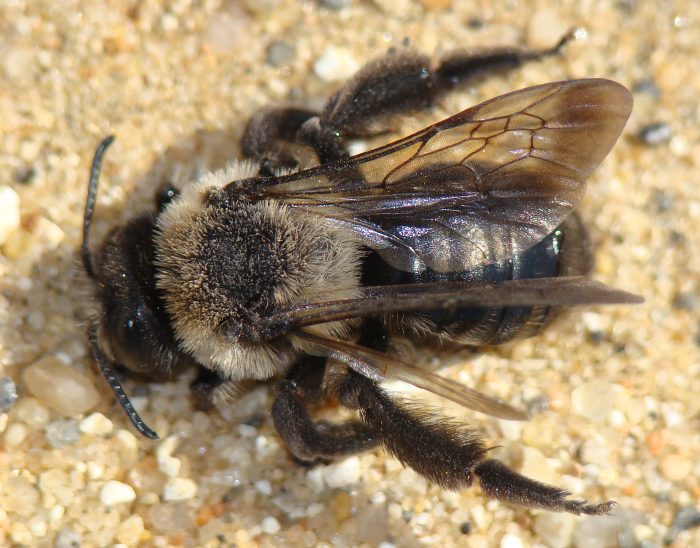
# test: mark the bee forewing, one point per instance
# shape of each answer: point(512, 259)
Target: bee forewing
point(381, 367)
point(476, 188)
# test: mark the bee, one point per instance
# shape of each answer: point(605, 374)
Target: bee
point(302, 262)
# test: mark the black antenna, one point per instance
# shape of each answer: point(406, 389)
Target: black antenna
point(103, 361)
point(115, 384)
point(95, 169)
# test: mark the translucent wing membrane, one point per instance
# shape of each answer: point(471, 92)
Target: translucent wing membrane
point(379, 367)
point(476, 188)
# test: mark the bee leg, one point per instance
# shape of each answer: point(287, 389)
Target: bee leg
point(447, 453)
point(400, 82)
point(269, 138)
point(209, 389)
point(310, 440)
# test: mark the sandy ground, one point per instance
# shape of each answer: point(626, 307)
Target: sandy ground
point(616, 388)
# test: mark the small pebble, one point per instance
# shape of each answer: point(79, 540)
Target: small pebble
point(343, 473)
point(60, 387)
point(336, 64)
point(15, 434)
point(62, 432)
point(169, 465)
point(31, 412)
point(372, 525)
point(96, 424)
point(598, 531)
point(263, 487)
point(8, 389)
point(341, 506)
point(279, 53)
point(510, 540)
point(593, 400)
point(545, 28)
point(555, 529)
point(676, 467)
point(67, 538)
point(687, 517)
point(655, 134)
point(270, 525)
point(115, 492)
point(179, 489)
point(130, 530)
point(9, 212)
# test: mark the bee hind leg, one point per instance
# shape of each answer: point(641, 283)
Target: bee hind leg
point(447, 453)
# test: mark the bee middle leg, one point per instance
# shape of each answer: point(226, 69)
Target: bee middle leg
point(310, 440)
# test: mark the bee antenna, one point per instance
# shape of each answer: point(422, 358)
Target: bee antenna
point(95, 169)
point(114, 383)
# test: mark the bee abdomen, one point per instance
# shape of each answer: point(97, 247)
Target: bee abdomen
point(564, 252)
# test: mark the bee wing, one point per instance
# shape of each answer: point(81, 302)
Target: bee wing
point(379, 300)
point(380, 367)
point(474, 189)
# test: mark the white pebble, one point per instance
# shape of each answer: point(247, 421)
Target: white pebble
point(131, 530)
point(545, 29)
point(270, 525)
point(593, 400)
point(510, 540)
point(115, 492)
point(9, 212)
point(263, 487)
point(343, 473)
point(169, 465)
point(15, 434)
point(50, 380)
point(127, 440)
point(95, 470)
point(314, 479)
point(314, 509)
point(179, 489)
point(555, 529)
point(96, 424)
point(37, 526)
point(335, 64)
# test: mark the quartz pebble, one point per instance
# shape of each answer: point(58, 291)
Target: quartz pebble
point(545, 28)
point(115, 492)
point(335, 64)
point(130, 530)
point(15, 434)
point(8, 391)
point(32, 413)
point(96, 424)
point(270, 525)
point(510, 540)
point(555, 529)
point(343, 473)
point(179, 489)
point(593, 400)
point(9, 212)
point(62, 432)
point(675, 467)
point(60, 387)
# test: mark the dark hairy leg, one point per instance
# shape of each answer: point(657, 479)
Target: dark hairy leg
point(448, 453)
point(310, 440)
point(397, 83)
